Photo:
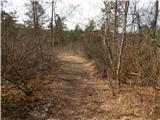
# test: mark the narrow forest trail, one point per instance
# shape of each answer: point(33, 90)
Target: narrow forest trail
point(78, 89)
point(75, 93)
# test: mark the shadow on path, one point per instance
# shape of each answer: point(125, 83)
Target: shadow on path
point(73, 94)
point(76, 90)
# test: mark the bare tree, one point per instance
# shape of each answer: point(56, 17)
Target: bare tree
point(115, 22)
point(153, 27)
point(105, 42)
point(52, 19)
point(154, 21)
point(119, 65)
point(35, 19)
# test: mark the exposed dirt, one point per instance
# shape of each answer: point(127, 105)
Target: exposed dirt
point(75, 93)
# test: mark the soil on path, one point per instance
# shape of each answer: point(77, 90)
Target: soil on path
point(75, 93)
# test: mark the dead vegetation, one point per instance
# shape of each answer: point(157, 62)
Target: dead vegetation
point(76, 91)
point(111, 72)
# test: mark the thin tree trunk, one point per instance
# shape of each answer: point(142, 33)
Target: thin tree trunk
point(34, 19)
point(37, 24)
point(155, 54)
point(119, 65)
point(115, 32)
point(55, 29)
point(153, 28)
point(52, 39)
point(154, 21)
point(115, 22)
point(37, 45)
point(139, 28)
point(106, 46)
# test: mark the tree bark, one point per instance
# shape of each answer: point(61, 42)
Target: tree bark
point(35, 21)
point(105, 44)
point(52, 12)
point(119, 65)
point(155, 54)
point(115, 22)
point(154, 21)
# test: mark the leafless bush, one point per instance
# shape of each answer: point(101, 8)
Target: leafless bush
point(97, 52)
point(23, 61)
point(138, 63)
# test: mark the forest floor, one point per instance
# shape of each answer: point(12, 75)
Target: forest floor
point(76, 93)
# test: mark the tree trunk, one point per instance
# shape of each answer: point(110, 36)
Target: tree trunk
point(105, 44)
point(37, 45)
point(107, 49)
point(115, 22)
point(35, 21)
point(119, 65)
point(52, 12)
point(154, 21)
point(154, 52)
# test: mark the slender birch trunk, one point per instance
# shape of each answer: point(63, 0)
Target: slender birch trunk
point(119, 65)
point(106, 47)
point(115, 22)
point(105, 44)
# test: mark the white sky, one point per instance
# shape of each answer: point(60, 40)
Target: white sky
point(86, 10)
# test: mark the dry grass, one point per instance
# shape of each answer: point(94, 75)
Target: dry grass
point(74, 90)
point(77, 92)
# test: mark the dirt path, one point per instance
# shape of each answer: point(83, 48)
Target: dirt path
point(77, 89)
point(76, 94)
